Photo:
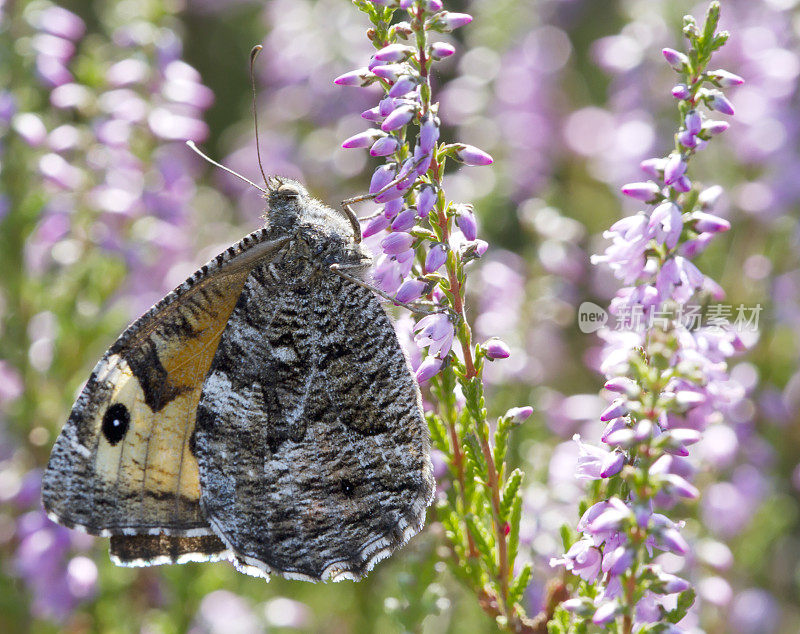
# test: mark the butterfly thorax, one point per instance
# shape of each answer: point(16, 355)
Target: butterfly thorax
point(319, 235)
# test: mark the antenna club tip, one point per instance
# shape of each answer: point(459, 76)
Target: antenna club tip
point(255, 51)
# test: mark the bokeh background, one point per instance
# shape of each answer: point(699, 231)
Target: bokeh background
point(103, 210)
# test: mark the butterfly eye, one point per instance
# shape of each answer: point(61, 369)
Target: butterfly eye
point(288, 191)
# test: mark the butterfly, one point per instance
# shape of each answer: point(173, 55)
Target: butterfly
point(263, 412)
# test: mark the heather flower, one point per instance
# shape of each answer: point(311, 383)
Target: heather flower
point(496, 349)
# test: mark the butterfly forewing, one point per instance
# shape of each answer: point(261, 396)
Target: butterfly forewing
point(122, 464)
point(312, 446)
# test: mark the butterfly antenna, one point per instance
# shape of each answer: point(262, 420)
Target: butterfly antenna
point(253, 54)
point(194, 148)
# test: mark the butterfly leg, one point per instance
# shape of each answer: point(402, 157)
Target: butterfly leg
point(414, 308)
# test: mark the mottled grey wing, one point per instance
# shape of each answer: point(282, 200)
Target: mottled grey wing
point(311, 442)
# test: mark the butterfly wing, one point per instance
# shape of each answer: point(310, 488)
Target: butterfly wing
point(311, 441)
point(123, 464)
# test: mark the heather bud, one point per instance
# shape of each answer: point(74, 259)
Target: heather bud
point(362, 139)
point(470, 155)
point(394, 53)
point(496, 349)
point(725, 79)
point(646, 192)
point(428, 369)
point(441, 50)
point(466, 222)
point(676, 59)
point(681, 91)
point(358, 77)
point(436, 257)
point(719, 102)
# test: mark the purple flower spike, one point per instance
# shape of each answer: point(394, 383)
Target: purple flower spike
point(720, 103)
point(403, 86)
point(381, 177)
point(410, 290)
point(519, 414)
point(384, 146)
point(466, 222)
point(428, 368)
point(398, 118)
point(470, 155)
point(394, 53)
point(725, 79)
point(705, 222)
point(441, 50)
point(497, 349)
point(674, 168)
point(396, 243)
point(357, 77)
point(676, 59)
point(362, 139)
point(376, 225)
point(681, 91)
point(405, 220)
point(694, 122)
point(436, 257)
point(646, 192)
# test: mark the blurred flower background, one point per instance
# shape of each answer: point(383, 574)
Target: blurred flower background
point(103, 209)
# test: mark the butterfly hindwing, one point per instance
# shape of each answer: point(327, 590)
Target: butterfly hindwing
point(123, 464)
point(312, 446)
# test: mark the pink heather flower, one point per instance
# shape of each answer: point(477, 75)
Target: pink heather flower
point(362, 139)
point(681, 91)
point(432, 6)
point(428, 369)
point(403, 86)
point(440, 50)
point(653, 166)
point(583, 559)
point(709, 222)
point(645, 192)
point(404, 220)
point(60, 22)
point(693, 122)
point(392, 193)
point(666, 224)
point(606, 613)
point(410, 290)
point(393, 53)
point(397, 119)
point(676, 59)
point(595, 462)
point(725, 79)
point(674, 168)
point(687, 139)
point(470, 155)
point(682, 184)
point(392, 208)
point(617, 561)
point(481, 246)
point(436, 333)
point(386, 105)
point(384, 146)
point(713, 128)
point(372, 114)
point(436, 257)
point(425, 201)
point(30, 128)
point(518, 414)
point(396, 243)
point(389, 72)
point(381, 177)
point(622, 385)
point(428, 134)
point(357, 77)
point(720, 103)
point(466, 222)
point(618, 408)
point(376, 225)
point(674, 541)
point(496, 349)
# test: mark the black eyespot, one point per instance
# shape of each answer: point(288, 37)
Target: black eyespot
point(115, 423)
point(347, 487)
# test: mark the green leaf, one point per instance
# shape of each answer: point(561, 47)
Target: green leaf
point(510, 493)
point(520, 583)
point(513, 521)
point(483, 542)
point(685, 601)
point(439, 436)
